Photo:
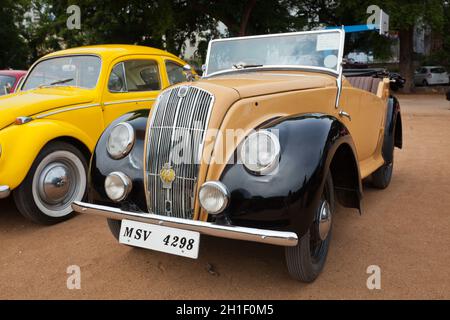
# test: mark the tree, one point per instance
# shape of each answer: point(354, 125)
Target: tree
point(405, 15)
point(13, 48)
point(251, 16)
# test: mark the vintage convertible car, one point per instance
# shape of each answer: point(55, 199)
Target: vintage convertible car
point(260, 150)
point(49, 128)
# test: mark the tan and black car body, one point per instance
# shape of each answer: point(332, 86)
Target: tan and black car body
point(323, 134)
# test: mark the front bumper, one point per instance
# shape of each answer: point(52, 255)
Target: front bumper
point(5, 191)
point(279, 238)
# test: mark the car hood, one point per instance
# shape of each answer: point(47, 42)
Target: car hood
point(261, 83)
point(32, 102)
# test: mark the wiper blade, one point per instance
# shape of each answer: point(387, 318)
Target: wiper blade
point(61, 81)
point(241, 66)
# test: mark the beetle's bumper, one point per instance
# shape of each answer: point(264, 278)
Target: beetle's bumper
point(5, 191)
point(279, 238)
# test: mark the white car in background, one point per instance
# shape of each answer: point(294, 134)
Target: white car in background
point(431, 75)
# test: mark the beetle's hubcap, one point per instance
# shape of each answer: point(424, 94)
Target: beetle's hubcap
point(325, 217)
point(56, 183)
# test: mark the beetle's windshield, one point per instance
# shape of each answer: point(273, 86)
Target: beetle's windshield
point(76, 71)
point(315, 49)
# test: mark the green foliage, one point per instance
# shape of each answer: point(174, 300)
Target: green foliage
point(13, 48)
point(168, 24)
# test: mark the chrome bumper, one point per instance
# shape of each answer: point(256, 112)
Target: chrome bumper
point(5, 191)
point(279, 238)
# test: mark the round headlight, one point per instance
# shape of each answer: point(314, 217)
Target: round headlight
point(121, 140)
point(260, 152)
point(117, 186)
point(214, 197)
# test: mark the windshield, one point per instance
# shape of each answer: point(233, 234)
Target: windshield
point(316, 50)
point(78, 71)
point(6, 84)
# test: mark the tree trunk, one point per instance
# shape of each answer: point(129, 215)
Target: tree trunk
point(406, 57)
point(246, 17)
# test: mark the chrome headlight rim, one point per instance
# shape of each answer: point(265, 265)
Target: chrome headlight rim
point(267, 169)
point(219, 186)
point(129, 143)
point(126, 183)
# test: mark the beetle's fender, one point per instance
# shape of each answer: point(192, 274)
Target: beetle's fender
point(311, 145)
point(21, 145)
point(393, 132)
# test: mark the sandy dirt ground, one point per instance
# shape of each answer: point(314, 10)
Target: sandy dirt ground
point(405, 230)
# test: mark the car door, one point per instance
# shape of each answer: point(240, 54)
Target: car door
point(134, 83)
point(367, 113)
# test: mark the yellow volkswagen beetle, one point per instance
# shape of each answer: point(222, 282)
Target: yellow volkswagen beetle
point(49, 128)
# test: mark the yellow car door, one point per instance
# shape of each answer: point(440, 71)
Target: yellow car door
point(133, 83)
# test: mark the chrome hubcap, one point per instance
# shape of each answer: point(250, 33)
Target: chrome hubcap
point(324, 220)
point(55, 183)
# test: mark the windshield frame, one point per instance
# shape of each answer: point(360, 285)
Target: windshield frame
point(337, 72)
point(61, 56)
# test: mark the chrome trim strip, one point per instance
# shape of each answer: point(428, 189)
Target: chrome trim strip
point(129, 101)
point(67, 110)
point(278, 238)
point(5, 191)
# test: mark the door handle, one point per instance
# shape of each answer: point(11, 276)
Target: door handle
point(345, 114)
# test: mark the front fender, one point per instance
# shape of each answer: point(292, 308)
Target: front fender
point(287, 199)
point(131, 165)
point(22, 143)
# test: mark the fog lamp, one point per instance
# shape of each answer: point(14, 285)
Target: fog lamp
point(214, 197)
point(117, 186)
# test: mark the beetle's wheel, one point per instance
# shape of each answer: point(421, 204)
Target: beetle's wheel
point(306, 260)
point(56, 179)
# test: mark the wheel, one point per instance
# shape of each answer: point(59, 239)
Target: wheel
point(306, 260)
point(114, 227)
point(56, 179)
point(425, 83)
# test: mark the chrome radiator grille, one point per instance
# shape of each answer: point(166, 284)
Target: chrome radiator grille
point(175, 145)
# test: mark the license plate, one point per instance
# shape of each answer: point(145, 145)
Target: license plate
point(159, 238)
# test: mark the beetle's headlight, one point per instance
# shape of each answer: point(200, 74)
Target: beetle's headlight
point(117, 186)
point(214, 197)
point(260, 152)
point(121, 140)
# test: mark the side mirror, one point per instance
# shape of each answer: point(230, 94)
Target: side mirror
point(189, 75)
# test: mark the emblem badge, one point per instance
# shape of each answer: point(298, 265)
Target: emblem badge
point(183, 91)
point(167, 176)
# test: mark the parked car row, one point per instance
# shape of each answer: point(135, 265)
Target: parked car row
point(304, 136)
